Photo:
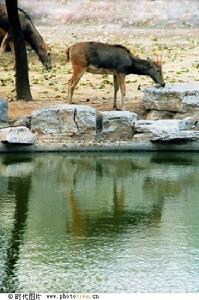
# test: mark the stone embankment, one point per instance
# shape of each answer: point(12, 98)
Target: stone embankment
point(172, 123)
point(3, 112)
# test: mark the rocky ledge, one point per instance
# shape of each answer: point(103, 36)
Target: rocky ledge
point(172, 101)
point(3, 112)
point(81, 128)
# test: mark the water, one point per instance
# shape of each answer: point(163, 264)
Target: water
point(103, 223)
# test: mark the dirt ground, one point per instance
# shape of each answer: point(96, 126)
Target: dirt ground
point(179, 48)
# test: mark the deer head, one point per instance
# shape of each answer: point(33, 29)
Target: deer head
point(44, 53)
point(155, 71)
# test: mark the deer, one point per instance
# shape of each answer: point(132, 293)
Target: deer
point(31, 35)
point(117, 60)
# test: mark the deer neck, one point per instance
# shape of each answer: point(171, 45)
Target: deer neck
point(139, 66)
point(34, 38)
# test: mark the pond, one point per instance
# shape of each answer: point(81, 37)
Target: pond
point(99, 222)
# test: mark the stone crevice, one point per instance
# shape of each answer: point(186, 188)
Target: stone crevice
point(74, 118)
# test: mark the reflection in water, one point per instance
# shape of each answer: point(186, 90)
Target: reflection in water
point(78, 222)
point(109, 223)
point(20, 188)
point(84, 224)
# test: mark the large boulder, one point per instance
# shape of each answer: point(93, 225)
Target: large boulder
point(64, 119)
point(167, 130)
point(3, 112)
point(175, 137)
point(157, 126)
point(116, 124)
point(179, 98)
point(17, 135)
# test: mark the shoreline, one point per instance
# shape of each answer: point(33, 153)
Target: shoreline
point(120, 147)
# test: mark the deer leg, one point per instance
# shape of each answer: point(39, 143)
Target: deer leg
point(77, 74)
point(121, 79)
point(5, 42)
point(116, 88)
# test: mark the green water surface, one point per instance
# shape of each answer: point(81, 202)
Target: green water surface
point(99, 223)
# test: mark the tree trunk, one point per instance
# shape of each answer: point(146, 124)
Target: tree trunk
point(21, 62)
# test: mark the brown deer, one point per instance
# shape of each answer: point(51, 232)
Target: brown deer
point(31, 35)
point(100, 58)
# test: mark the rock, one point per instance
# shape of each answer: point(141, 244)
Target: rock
point(23, 121)
point(178, 136)
point(160, 115)
point(155, 127)
point(85, 119)
point(3, 112)
point(53, 120)
point(142, 137)
point(17, 135)
point(167, 130)
point(191, 101)
point(174, 98)
point(70, 120)
point(117, 124)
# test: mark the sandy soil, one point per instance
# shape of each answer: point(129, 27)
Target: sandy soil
point(179, 48)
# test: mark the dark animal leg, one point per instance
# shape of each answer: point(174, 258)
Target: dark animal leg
point(121, 79)
point(116, 88)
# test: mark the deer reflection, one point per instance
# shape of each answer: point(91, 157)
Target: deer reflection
point(78, 222)
point(119, 215)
